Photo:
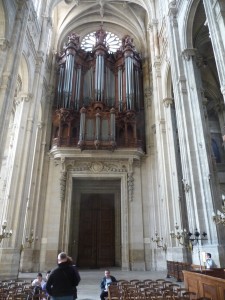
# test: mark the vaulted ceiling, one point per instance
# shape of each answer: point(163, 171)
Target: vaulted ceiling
point(85, 16)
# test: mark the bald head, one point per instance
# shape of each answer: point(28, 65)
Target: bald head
point(62, 257)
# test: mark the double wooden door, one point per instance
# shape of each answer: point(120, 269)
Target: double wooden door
point(96, 246)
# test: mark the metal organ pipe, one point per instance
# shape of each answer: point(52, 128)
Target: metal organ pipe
point(97, 131)
point(60, 86)
point(68, 80)
point(82, 123)
point(77, 89)
point(112, 124)
point(99, 77)
point(120, 89)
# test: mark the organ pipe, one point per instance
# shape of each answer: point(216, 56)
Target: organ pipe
point(77, 89)
point(97, 130)
point(82, 123)
point(112, 124)
point(120, 89)
point(68, 80)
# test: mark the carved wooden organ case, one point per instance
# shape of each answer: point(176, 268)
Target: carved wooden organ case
point(99, 97)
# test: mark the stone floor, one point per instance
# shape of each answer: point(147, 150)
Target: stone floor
point(89, 287)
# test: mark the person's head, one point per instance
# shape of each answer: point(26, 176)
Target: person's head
point(62, 257)
point(70, 260)
point(47, 274)
point(107, 273)
point(208, 255)
point(39, 277)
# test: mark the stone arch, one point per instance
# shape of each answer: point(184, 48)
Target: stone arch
point(23, 74)
point(189, 16)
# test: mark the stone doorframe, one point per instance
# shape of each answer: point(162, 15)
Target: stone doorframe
point(101, 170)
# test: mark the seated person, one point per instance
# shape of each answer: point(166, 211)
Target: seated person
point(106, 281)
point(209, 263)
point(38, 281)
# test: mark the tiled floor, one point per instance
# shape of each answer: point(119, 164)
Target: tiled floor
point(89, 287)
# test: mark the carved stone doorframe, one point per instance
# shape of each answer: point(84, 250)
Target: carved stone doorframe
point(97, 172)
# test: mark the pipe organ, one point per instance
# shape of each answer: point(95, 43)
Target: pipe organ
point(99, 96)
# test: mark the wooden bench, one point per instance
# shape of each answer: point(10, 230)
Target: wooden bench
point(175, 268)
point(204, 285)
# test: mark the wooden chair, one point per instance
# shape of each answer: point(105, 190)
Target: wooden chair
point(114, 292)
point(147, 281)
point(189, 295)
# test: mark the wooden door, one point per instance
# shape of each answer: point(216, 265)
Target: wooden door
point(96, 245)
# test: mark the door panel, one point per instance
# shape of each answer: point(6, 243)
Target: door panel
point(96, 247)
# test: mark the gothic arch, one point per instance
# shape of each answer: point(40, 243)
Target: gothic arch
point(187, 30)
point(23, 72)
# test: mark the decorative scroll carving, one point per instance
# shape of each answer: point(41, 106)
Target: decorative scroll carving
point(63, 185)
point(97, 166)
point(130, 185)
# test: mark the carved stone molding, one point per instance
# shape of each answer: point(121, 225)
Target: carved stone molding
point(6, 78)
point(130, 186)
point(148, 97)
point(97, 166)
point(183, 86)
point(23, 98)
point(187, 187)
point(173, 13)
point(63, 185)
point(188, 53)
point(168, 102)
point(4, 44)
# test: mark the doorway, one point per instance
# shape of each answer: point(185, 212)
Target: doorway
point(96, 246)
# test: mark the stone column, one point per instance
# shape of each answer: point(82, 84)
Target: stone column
point(10, 70)
point(215, 15)
point(191, 131)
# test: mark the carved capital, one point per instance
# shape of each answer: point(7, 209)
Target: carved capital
point(168, 102)
point(4, 44)
point(23, 98)
point(5, 80)
point(188, 53)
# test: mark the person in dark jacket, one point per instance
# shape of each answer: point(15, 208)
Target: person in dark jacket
point(62, 281)
point(106, 281)
point(70, 260)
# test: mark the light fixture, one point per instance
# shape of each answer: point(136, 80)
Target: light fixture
point(182, 236)
point(187, 239)
point(219, 217)
point(30, 239)
point(5, 233)
point(159, 240)
point(196, 236)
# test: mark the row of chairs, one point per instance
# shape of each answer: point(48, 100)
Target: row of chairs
point(19, 290)
point(148, 289)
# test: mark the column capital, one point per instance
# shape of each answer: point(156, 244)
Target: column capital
point(4, 44)
point(168, 102)
point(188, 53)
